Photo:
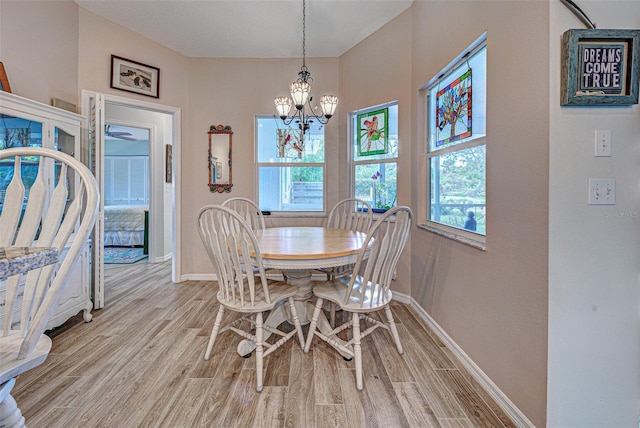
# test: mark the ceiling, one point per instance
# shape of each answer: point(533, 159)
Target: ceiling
point(250, 28)
point(128, 132)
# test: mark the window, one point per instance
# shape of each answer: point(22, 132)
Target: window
point(456, 155)
point(290, 177)
point(126, 180)
point(374, 168)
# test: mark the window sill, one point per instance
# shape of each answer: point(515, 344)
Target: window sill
point(300, 214)
point(482, 246)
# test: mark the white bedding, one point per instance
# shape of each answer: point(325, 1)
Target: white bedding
point(124, 224)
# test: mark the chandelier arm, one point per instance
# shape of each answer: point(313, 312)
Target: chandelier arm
point(321, 118)
point(297, 115)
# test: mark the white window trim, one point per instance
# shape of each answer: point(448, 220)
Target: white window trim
point(258, 165)
point(471, 239)
point(351, 163)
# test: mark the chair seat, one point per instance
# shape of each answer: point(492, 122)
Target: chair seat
point(10, 365)
point(278, 291)
point(336, 290)
point(235, 254)
point(367, 290)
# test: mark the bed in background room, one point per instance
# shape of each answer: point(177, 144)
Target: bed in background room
point(126, 225)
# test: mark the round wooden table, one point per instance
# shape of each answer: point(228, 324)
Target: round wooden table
point(297, 251)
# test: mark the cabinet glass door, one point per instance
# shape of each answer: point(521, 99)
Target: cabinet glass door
point(65, 142)
point(18, 132)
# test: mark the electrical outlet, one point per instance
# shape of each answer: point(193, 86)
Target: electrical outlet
point(602, 191)
point(603, 143)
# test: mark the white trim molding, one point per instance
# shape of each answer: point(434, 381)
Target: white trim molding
point(507, 406)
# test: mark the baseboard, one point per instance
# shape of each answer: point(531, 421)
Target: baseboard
point(163, 258)
point(198, 277)
point(507, 406)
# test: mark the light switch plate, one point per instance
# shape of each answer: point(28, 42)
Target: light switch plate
point(602, 191)
point(603, 142)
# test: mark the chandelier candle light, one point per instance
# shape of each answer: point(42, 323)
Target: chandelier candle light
point(301, 94)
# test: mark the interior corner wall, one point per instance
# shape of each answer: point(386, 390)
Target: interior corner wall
point(493, 303)
point(39, 49)
point(98, 40)
point(377, 71)
point(221, 95)
point(594, 251)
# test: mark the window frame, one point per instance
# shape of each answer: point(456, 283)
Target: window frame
point(353, 163)
point(258, 165)
point(473, 239)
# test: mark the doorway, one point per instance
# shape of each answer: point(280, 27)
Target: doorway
point(126, 193)
point(163, 125)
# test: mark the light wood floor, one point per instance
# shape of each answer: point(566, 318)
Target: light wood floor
point(139, 363)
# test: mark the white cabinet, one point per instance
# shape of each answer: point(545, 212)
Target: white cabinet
point(25, 122)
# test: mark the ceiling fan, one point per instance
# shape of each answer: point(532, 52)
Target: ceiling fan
point(120, 135)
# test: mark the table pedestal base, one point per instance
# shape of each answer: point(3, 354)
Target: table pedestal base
point(304, 308)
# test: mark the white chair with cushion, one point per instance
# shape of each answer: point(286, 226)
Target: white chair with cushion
point(349, 214)
point(229, 242)
point(367, 290)
point(39, 218)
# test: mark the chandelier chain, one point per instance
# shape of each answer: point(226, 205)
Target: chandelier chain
point(304, 37)
point(300, 94)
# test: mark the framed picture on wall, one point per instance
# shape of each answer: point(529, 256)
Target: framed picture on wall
point(133, 76)
point(4, 81)
point(600, 67)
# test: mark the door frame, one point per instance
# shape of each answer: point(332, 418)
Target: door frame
point(176, 121)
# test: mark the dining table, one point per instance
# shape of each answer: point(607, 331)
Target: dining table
point(297, 251)
point(18, 260)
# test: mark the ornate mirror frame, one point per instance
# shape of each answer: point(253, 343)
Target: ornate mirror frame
point(216, 163)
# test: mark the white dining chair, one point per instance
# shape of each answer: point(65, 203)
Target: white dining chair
point(248, 210)
point(243, 286)
point(349, 214)
point(61, 218)
point(367, 289)
point(251, 213)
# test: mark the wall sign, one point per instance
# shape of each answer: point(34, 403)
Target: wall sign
point(600, 67)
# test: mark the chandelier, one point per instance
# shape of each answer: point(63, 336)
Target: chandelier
point(300, 91)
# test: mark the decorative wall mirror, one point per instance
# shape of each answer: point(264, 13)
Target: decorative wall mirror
point(220, 158)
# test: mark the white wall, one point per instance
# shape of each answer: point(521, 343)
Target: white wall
point(492, 303)
point(377, 71)
point(222, 97)
point(594, 251)
point(39, 49)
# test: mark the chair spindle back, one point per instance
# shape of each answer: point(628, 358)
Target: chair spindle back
point(389, 234)
point(233, 250)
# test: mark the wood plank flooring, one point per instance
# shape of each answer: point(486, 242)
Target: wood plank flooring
point(140, 363)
